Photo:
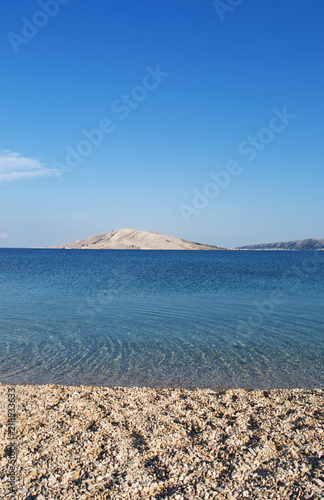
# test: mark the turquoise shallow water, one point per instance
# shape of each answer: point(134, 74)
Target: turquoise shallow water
point(162, 318)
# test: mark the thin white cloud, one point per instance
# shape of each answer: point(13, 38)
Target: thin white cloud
point(3, 236)
point(15, 166)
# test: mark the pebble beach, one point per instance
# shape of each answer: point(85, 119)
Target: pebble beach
point(143, 443)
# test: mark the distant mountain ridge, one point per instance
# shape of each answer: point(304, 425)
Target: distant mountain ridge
point(132, 239)
point(308, 244)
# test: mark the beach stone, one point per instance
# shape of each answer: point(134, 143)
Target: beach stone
point(51, 480)
point(96, 442)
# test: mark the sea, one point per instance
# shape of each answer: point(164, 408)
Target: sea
point(208, 319)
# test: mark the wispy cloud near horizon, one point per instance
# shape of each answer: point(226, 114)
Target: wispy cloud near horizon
point(15, 166)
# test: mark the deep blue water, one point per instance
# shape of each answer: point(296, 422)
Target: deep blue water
point(162, 318)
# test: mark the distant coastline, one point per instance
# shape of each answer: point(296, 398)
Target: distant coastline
point(133, 239)
point(296, 245)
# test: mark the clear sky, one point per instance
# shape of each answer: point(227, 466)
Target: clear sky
point(208, 118)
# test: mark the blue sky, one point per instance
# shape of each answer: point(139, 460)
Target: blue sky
point(181, 89)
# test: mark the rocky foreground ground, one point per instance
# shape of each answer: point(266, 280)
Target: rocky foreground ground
point(140, 443)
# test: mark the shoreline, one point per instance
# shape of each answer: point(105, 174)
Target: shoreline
point(80, 442)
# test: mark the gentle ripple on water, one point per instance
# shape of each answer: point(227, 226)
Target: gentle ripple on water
point(162, 318)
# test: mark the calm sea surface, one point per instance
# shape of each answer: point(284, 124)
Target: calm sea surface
point(162, 318)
